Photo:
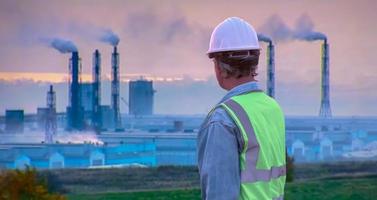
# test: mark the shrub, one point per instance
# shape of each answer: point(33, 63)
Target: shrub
point(290, 168)
point(24, 184)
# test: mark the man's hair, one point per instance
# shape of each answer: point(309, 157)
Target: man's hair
point(237, 63)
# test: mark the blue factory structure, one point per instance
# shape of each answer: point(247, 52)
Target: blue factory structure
point(14, 121)
point(141, 95)
point(52, 156)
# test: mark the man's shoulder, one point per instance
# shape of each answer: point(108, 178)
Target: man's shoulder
point(219, 116)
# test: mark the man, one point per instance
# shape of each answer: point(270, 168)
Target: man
point(241, 144)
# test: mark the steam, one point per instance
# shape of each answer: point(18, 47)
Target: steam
point(304, 30)
point(264, 38)
point(108, 36)
point(78, 138)
point(279, 31)
point(63, 46)
point(62, 137)
point(276, 28)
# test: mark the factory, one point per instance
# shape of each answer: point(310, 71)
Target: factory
point(85, 110)
point(150, 139)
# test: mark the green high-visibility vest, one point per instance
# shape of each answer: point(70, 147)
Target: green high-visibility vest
point(262, 159)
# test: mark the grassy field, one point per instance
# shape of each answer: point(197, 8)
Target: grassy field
point(341, 180)
point(191, 194)
point(339, 188)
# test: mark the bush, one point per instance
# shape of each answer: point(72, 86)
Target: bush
point(24, 184)
point(290, 168)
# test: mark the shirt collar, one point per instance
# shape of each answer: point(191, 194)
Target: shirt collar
point(241, 89)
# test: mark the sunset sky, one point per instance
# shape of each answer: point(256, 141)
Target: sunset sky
point(166, 41)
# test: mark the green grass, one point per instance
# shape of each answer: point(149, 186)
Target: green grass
point(341, 188)
point(358, 188)
point(190, 194)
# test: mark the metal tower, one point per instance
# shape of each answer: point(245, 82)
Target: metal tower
point(50, 126)
point(96, 115)
point(115, 88)
point(325, 110)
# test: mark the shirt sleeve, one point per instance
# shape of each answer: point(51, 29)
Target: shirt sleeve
point(218, 162)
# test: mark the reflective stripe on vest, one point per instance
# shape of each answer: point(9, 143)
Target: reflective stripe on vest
point(262, 159)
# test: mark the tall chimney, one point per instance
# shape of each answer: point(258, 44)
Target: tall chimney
point(96, 115)
point(75, 114)
point(271, 69)
point(325, 110)
point(50, 126)
point(115, 88)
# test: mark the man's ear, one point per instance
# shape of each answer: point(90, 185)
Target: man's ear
point(224, 73)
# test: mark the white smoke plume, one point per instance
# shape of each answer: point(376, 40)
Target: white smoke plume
point(109, 37)
point(77, 137)
point(37, 137)
point(63, 46)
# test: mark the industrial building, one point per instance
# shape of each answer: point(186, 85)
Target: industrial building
point(141, 95)
point(151, 139)
point(41, 117)
point(52, 156)
point(86, 97)
point(14, 121)
point(107, 120)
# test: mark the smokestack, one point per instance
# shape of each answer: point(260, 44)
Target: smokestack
point(271, 70)
point(325, 110)
point(270, 64)
point(96, 115)
point(115, 88)
point(50, 126)
point(75, 114)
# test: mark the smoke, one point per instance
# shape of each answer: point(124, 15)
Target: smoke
point(279, 31)
point(77, 138)
point(276, 28)
point(304, 30)
point(109, 37)
point(264, 38)
point(175, 28)
point(150, 25)
point(62, 137)
point(63, 46)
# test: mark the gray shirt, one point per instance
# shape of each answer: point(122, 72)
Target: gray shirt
point(219, 144)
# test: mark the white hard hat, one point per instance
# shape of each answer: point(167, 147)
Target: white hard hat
point(233, 34)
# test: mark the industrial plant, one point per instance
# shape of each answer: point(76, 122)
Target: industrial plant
point(90, 134)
